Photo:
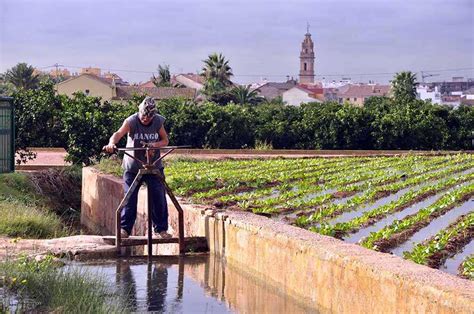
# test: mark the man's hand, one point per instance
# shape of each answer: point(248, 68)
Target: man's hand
point(110, 148)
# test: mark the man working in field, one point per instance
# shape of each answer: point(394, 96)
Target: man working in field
point(144, 128)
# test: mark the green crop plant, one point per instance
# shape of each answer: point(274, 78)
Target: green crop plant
point(378, 213)
point(423, 216)
point(467, 267)
point(331, 210)
point(423, 251)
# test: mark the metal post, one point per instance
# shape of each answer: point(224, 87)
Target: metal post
point(13, 136)
point(180, 215)
point(150, 230)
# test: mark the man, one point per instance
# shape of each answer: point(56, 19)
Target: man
point(143, 128)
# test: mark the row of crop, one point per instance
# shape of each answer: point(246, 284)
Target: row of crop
point(434, 251)
point(399, 230)
point(370, 217)
point(348, 185)
point(191, 177)
point(185, 166)
point(196, 181)
point(331, 210)
point(335, 179)
point(313, 183)
point(265, 178)
point(307, 187)
point(196, 176)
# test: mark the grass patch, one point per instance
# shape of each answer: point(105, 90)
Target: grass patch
point(17, 187)
point(41, 286)
point(111, 166)
point(26, 221)
point(40, 204)
point(263, 145)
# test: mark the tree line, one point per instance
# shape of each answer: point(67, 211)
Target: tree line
point(83, 124)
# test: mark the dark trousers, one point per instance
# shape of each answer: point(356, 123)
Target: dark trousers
point(159, 209)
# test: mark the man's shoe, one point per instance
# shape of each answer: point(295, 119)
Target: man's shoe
point(124, 234)
point(162, 235)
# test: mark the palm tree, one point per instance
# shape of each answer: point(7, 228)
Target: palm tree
point(164, 76)
point(22, 76)
point(212, 86)
point(217, 68)
point(243, 95)
point(404, 86)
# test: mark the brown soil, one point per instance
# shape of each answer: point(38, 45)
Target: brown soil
point(381, 194)
point(385, 245)
point(342, 194)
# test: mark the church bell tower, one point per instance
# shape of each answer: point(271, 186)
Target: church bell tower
point(307, 59)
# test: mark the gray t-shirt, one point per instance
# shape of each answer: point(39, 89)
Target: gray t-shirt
point(142, 133)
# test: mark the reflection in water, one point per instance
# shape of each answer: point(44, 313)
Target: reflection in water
point(157, 283)
point(126, 285)
point(199, 284)
point(156, 286)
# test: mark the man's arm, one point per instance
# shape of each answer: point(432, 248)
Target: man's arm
point(115, 138)
point(163, 138)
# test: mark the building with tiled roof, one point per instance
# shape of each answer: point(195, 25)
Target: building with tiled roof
point(158, 93)
point(303, 93)
point(190, 80)
point(108, 89)
point(272, 90)
point(357, 94)
point(147, 84)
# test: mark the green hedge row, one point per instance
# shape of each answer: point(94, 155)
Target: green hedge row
point(83, 124)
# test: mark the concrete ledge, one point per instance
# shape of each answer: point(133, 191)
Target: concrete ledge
point(323, 271)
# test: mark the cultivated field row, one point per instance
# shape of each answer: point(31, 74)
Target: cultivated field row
point(418, 207)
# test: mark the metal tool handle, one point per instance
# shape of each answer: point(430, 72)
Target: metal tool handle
point(151, 148)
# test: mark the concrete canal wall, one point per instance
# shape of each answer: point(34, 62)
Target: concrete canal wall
point(324, 272)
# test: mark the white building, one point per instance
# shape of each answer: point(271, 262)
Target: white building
point(303, 94)
point(426, 93)
point(335, 84)
point(468, 94)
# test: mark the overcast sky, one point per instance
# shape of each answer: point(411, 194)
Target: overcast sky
point(260, 38)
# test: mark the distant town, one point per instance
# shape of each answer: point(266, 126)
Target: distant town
point(110, 86)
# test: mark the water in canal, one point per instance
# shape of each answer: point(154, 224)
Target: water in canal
point(199, 284)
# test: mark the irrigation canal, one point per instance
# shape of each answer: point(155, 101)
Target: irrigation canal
point(191, 284)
